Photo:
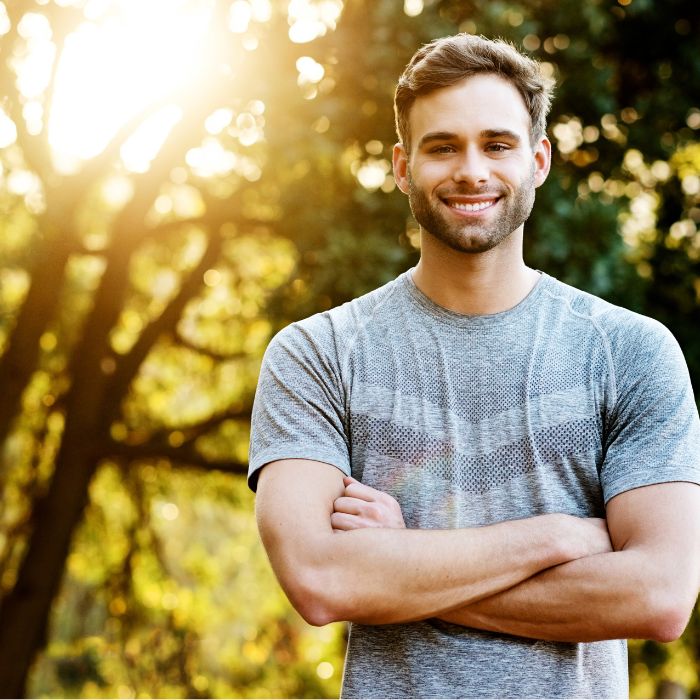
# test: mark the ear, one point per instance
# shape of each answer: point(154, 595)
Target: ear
point(400, 163)
point(543, 160)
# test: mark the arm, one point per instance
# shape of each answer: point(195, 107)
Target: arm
point(646, 588)
point(380, 575)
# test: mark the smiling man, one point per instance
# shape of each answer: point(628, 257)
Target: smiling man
point(493, 476)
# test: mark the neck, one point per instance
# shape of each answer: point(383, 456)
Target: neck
point(474, 283)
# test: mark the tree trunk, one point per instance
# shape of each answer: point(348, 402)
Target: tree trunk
point(25, 611)
point(19, 361)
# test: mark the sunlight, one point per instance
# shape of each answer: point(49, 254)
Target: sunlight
point(127, 56)
point(143, 145)
point(8, 131)
point(309, 20)
point(124, 61)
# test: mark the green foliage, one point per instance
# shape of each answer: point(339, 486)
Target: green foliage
point(168, 593)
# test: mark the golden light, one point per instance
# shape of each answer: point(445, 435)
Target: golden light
point(310, 20)
point(34, 67)
point(126, 56)
point(143, 145)
point(240, 15)
point(8, 131)
point(218, 120)
point(4, 20)
point(309, 71)
point(128, 59)
point(413, 8)
point(373, 173)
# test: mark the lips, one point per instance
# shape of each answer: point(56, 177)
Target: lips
point(477, 206)
point(467, 204)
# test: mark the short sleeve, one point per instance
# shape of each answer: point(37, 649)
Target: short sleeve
point(652, 431)
point(299, 407)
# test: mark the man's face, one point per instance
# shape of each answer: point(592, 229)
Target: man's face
point(472, 171)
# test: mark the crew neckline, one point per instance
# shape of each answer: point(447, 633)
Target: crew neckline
point(434, 310)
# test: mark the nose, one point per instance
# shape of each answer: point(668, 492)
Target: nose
point(471, 168)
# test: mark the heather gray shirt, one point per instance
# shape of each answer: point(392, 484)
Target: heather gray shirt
point(556, 405)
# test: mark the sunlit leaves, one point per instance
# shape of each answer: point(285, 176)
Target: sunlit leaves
point(310, 19)
point(199, 609)
point(687, 163)
point(33, 65)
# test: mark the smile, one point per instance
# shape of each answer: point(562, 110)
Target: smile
point(472, 206)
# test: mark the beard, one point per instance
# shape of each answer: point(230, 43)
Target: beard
point(473, 236)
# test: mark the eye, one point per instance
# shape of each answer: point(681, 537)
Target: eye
point(443, 148)
point(497, 147)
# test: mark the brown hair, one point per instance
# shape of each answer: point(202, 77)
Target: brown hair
point(447, 61)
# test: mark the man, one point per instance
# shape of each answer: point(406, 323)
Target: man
point(493, 476)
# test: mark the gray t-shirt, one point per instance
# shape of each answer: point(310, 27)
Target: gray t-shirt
point(555, 405)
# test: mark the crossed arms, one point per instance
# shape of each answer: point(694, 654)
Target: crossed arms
point(340, 552)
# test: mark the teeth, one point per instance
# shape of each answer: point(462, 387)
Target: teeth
point(478, 206)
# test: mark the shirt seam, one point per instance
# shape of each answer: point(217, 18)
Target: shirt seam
point(361, 326)
point(603, 336)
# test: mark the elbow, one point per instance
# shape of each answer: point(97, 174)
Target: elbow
point(316, 598)
point(668, 626)
point(667, 617)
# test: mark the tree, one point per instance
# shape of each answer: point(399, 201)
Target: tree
point(89, 344)
point(137, 292)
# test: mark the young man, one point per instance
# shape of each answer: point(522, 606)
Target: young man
point(493, 476)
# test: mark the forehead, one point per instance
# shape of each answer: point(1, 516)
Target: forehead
point(478, 103)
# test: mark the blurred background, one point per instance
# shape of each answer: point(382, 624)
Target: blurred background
point(179, 179)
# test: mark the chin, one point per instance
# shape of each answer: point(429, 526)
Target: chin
point(471, 245)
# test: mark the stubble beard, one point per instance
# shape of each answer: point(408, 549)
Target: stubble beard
point(468, 236)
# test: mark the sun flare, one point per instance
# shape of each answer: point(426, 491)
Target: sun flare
point(134, 60)
point(126, 56)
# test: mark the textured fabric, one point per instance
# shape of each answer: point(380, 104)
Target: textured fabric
point(556, 405)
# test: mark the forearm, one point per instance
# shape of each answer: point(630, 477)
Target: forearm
point(378, 575)
point(381, 576)
point(332, 567)
point(614, 595)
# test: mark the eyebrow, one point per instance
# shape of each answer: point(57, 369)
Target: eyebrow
point(499, 134)
point(437, 136)
point(485, 134)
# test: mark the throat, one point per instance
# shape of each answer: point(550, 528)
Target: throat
point(481, 290)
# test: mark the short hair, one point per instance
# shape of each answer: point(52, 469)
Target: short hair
point(446, 61)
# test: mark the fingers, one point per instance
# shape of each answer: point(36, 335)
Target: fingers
point(345, 522)
point(362, 506)
point(348, 505)
point(355, 489)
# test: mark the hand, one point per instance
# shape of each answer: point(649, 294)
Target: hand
point(362, 506)
point(585, 537)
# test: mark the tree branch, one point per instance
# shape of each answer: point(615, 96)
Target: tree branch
point(193, 432)
point(95, 167)
point(63, 22)
point(128, 365)
point(181, 341)
point(186, 456)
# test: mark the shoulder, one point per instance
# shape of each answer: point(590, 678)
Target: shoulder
point(641, 354)
point(621, 328)
point(332, 332)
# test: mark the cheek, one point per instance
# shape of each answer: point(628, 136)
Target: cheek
point(515, 173)
point(430, 175)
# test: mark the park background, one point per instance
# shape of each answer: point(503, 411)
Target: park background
point(179, 179)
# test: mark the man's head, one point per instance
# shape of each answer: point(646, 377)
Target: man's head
point(471, 118)
point(449, 60)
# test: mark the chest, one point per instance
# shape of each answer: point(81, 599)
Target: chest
point(475, 430)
